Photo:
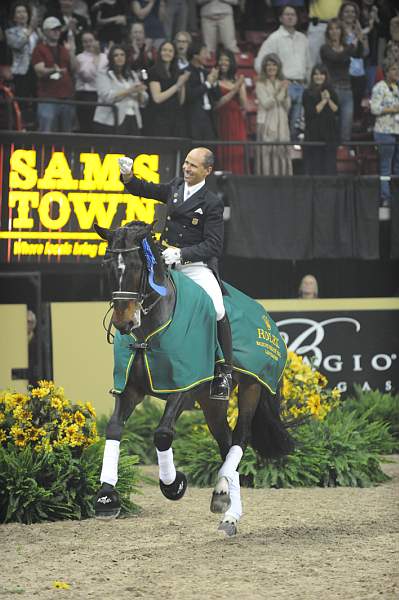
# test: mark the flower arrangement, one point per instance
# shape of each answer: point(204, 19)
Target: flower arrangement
point(44, 419)
point(304, 390)
point(304, 393)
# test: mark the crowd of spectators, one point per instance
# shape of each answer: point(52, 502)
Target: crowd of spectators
point(230, 70)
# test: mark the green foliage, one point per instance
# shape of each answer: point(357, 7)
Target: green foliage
point(342, 450)
point(51, 486)
point(376, 407)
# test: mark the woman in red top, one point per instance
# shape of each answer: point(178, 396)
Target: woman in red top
point(230, 114)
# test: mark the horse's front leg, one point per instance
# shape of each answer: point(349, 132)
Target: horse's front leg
point(173, 483)
point(107, 503)
point(248, 398)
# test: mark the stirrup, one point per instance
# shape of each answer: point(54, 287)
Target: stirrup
point(221, 386)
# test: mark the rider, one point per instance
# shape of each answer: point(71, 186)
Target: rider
point(194, 238)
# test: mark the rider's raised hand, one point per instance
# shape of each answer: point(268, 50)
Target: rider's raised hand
point(125, 165)
point(172, 255)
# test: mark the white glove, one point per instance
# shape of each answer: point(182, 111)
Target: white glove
point(172, 255)
point(125, 165)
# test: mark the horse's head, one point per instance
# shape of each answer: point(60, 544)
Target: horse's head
point(135, 265)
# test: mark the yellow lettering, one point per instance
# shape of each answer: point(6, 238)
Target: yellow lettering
point(58, 175)
point(146, 167)
point(95, 209)
point(23, 174)
point(22, 200)
point(138, 209)
point(64, 209)
point(99, 175)
point(26, 249)
point(261, 334)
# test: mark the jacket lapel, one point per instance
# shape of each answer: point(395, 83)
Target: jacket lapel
point(194, 200)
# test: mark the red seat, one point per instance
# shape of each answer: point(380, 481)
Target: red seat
point(244, 59)
point(256, 38)
point(250, 76)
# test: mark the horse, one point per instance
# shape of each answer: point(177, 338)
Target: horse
point(144, 299)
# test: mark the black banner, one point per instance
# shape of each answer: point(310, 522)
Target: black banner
point(303, 217)
point(349, 346)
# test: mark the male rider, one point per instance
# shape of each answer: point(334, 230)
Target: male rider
point(194, 238)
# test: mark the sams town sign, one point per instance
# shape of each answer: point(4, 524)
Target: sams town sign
point(53, 202)
point(355, 341)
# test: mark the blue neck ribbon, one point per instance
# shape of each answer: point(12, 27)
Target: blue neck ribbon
point(150, 260)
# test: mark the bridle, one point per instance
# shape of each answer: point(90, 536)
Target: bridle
point(139, 296)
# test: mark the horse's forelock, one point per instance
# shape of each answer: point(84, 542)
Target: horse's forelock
point(130, 233)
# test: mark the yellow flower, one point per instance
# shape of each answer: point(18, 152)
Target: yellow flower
point(80, 419)
point(2, 417)
point(18, 435)
point(3, 436)
point(56, 403)
point(61, 585)
point(90, 409)
point(21, 414)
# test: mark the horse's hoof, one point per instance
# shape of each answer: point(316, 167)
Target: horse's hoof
point(221, 497)
point(107, 504)
point(228, 526)
point(175, 490)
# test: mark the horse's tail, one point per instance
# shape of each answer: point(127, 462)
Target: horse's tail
point(269, 435)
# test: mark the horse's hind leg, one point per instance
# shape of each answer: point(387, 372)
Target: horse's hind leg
point(248, 398)
point(215, 412)
point(173, 483)
point(107, 503)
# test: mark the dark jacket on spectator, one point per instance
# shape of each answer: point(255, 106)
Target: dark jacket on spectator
point(200, 121)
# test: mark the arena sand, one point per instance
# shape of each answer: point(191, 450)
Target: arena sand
point(299, 544)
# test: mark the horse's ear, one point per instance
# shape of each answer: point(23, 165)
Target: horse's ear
point(105, 234)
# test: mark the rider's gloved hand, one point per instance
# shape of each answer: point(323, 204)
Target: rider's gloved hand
point(172, 255)
point(125, 165)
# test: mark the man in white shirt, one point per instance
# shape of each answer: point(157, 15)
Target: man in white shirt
point(292, 48)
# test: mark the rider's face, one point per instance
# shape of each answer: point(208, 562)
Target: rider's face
point(194, 170)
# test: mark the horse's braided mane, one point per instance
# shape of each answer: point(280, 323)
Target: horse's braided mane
point(135, 227)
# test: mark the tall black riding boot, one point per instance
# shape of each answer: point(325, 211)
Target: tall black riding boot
point(222, 382)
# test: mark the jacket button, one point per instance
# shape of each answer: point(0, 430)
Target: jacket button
point(166, 228)
point(168, 218)
point(180, 235)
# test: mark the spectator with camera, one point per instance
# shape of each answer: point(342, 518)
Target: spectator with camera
point(89, 63)
point(385, 107)
point(54, 64)
point(120, 86)
point(167, 94)
point(22, 38)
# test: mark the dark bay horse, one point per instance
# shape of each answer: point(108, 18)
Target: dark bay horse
point(144, 299)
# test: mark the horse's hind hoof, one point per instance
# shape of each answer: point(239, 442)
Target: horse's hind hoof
point(175, 490)
point(221, 497)
point(107, 504)
point(228, 526)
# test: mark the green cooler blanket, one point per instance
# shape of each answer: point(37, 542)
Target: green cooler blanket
point(182, 352)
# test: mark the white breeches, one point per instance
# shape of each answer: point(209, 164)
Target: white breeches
point(204, 277)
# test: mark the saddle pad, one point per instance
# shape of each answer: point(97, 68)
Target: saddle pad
point(182, 352)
